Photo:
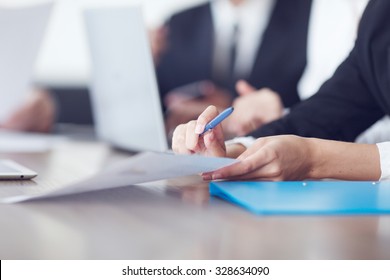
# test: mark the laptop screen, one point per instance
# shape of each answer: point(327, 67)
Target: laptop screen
point(21, 32)
point(125, 99)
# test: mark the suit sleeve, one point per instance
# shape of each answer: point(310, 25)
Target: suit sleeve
point(343, 108)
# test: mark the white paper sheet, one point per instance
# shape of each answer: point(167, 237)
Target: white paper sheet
point(22, 142)
point(21, 33)
point(142, 168)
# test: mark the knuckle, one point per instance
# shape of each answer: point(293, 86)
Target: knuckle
point(265, 89)
point(202, 119)
point(208, 114)
point(247, 167)
point(191, 124)
point(272, 155)
point(260, 142)
point(276, 171)
point(191, 145)
point(212, 109)
point(175, 148)
point(177, 133)
point(276, 179)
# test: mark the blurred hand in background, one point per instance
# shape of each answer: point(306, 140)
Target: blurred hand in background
point(188, 102)
point(158, 42)
point(36, 114)
point(252, 109)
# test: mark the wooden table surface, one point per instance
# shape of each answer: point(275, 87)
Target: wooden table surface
point(175, 219)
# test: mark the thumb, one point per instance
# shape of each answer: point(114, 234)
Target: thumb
point(244, 88)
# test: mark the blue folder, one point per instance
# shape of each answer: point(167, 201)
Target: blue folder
point(307, 197)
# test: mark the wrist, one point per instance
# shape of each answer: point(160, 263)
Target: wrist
point(342, 160)
point(234, 150)
point(314, 158)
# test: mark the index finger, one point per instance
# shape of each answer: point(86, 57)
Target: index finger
point(245, 166)
point(209, 114)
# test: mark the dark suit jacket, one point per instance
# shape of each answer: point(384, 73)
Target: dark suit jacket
point(280, 61)
point(356, 96)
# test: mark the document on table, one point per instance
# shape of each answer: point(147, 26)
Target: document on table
point(142, 168)
point(23, 142)
point(21, 33)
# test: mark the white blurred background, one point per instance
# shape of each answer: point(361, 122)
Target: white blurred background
point(64, 59)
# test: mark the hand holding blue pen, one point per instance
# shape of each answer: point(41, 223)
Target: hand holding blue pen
point(187, 137)
point(218, 119)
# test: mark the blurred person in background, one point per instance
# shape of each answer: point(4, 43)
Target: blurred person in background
point(332, 31)
point(202, 52)
point(189, 48)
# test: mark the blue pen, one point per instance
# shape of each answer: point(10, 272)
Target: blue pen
point(218, 119)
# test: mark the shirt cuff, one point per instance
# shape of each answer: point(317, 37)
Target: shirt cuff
point(384, 153)
point(245, 141)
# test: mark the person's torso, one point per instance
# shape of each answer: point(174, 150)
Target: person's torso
point(279, 61)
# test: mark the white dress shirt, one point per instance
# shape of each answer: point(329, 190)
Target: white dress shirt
point(332, 32)
point(384, 153)
point(251, 17)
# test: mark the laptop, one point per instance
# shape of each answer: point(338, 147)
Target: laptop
point(22, 29)
point(125, 99)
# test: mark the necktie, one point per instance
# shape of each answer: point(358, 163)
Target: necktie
point(231, 78)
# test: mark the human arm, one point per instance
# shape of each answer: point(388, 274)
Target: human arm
point(288, 157)
point(254, 108)
point(37, 113)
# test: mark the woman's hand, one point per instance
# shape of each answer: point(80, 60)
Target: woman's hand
point(187, 138)
point(290, 158)
point(274, 158)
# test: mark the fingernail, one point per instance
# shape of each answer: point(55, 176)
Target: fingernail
point(217, 176)
point(206, 177)
point(199, 129)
